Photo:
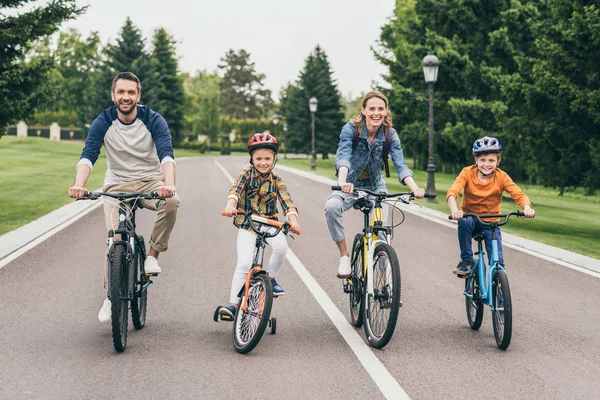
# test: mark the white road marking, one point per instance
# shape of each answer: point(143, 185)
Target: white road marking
point(387, 384)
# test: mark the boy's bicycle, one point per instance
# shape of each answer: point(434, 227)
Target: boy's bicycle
point(253, 312)
point(374, 285)
point(127, 280)
point(483, 287)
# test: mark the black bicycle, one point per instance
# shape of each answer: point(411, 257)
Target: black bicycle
point(256, 296)
point(127, 279)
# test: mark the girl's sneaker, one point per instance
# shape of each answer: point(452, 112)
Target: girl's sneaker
point(227, 313)
point(277, 289)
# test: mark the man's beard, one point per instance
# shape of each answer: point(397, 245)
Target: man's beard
point(133, 107)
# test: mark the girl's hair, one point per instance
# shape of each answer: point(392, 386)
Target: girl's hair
point(360, 118)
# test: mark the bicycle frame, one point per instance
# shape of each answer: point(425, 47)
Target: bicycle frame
point(371, 239)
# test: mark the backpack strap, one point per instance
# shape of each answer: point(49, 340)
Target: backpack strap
point(387, 144)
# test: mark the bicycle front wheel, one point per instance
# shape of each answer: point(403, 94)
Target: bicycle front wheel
point(356, 281)
point(381, 309)
point(118, 296)
point(502, 312)
point(139, 302)
point(249, 325)
point(473, 303)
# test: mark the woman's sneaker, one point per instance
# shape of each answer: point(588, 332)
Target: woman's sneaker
point(227, 313)
point(277, 289)
point(105, 313)
point(344, 269)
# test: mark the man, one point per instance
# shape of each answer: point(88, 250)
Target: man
point(140, 158)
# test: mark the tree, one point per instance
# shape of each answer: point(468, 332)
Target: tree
point(25, 83)
point(169, 95)
point(315, 80)
point(202, 107)
point(242, 92)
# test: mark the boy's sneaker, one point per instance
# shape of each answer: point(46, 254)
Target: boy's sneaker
point(151, 266)
point(344, 269)
point(464, 268)
point(277, 289)
point(227, 313)
point(105, 313)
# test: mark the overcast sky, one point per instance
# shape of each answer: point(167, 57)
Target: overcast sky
point(279, 35)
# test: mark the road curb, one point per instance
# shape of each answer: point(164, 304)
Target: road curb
point(559, 256)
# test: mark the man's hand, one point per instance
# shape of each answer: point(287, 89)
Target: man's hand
point(166, 191)
point(77, 192)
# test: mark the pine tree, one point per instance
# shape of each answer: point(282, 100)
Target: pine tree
point(25, 84)
point(315, 80)
point(168, 90)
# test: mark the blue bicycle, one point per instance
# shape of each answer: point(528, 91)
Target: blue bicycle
point(492, 289)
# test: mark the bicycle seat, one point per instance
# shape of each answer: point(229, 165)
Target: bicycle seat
point(479, 236)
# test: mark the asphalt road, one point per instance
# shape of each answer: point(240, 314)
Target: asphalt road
point(54, 347)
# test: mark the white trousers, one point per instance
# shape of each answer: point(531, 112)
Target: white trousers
point(246, 242)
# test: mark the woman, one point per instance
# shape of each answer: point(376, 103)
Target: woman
point(359, 165)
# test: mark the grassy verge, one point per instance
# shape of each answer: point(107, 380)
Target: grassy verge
point(569, 222)
point(36, 173)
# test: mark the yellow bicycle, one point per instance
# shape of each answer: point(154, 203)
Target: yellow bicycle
point(374, 285)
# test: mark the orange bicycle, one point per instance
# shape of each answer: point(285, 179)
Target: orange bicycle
point(256, 296)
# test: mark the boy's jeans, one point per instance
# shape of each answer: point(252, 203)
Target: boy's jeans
point(466, 229)
point(339, 202)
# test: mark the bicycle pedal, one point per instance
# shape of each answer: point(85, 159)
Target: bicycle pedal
point(463, 276)
point(151, 274)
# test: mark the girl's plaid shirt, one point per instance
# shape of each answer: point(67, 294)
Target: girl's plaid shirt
point(259, 194)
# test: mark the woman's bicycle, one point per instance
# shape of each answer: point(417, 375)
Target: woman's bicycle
point(253, 312)
point(483, 287)
point(374, 285)
point(127, 280)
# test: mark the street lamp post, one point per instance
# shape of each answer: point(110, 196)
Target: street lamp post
point(312, 105)
point(284, 137)
point(275, 122)
point(430, 70)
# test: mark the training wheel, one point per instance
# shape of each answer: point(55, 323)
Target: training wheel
point(273, 325)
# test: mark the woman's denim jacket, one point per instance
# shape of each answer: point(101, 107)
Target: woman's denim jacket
point(367, 153)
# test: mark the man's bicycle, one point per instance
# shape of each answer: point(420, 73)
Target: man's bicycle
point(374, 285)
point(253, 312)
point(483, 287)
point(127, 280)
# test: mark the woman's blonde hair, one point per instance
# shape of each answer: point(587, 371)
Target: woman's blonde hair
point(360, 118)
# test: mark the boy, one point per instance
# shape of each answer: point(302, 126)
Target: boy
point(483, 185)
point(257, 190)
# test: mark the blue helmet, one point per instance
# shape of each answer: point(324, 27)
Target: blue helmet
point(486, 145)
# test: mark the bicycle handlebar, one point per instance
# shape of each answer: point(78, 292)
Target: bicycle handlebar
point(285, 226)
point(505, 216)
point(383, 195)
point(121, 196)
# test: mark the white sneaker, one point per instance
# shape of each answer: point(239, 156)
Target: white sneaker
point(105, 313)
point(344, 270)
point(151, 266)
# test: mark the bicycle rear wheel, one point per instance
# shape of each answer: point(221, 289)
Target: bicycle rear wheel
point(139, 302)
point(502, 312)
point(249, 325)
point(473, 303)
point(118, 296)
point(381, 310)
point(356, 281)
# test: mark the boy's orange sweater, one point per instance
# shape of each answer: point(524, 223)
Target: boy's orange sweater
point(485, 198)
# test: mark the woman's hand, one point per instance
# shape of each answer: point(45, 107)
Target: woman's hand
point(346, 187)
point(419, 193)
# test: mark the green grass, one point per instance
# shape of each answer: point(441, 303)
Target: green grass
point(569, 222)
point(35, 175)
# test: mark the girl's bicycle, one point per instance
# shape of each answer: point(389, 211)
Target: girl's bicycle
point(127, 280)
point(374, 285)
point(483, 287)
point(253, 312)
